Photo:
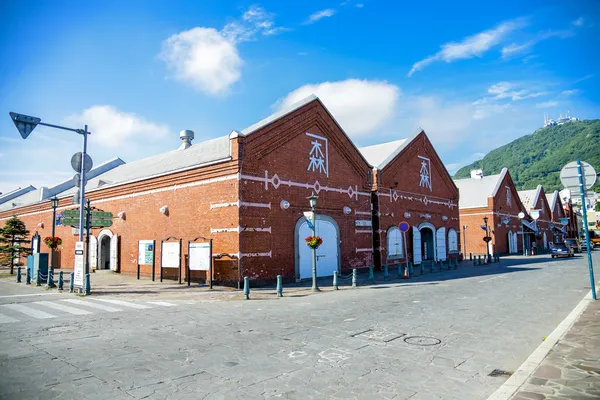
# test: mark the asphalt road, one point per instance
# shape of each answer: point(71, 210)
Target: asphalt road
point(436, 336)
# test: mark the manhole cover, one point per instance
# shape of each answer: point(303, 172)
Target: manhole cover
point(422, 340)
point(499, 372)
point(62, 329)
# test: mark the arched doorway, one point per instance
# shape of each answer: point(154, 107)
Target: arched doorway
point(107, 251)
point(427, 249)
point(328, 254)
point(104, 250)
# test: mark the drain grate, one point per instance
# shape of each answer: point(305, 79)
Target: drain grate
point(422, 340)
point(499, 372)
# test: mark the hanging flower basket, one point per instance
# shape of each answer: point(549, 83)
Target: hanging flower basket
point(313, 241)
point(53, 242)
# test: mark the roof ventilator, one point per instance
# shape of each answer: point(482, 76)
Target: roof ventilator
point(186, 137)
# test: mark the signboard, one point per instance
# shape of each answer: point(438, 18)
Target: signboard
point(78, 268)
point(146, 252)
point(535, 214)
point(170, 255)
point(200, 256)
point(569, 176)
point(362, 222)
point(36, 244)
point(404, 226)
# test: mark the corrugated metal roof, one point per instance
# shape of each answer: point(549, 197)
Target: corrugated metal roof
point(379, 155)
point(475, 192)
point(528, 198)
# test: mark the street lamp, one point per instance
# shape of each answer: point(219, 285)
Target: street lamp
point(522, 217)
point(312, 200)
point(54, 204)
point(487, 237)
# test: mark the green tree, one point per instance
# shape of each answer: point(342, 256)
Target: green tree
point(12, 234)
point(598, 206)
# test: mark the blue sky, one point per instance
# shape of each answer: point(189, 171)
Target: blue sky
point(473, 75)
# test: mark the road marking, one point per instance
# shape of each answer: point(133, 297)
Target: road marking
point(123, 303)
point(93, 305)
point(28, 295)
point(163, 303)
point(5, 319)
point(32, 312)
point(62, 307)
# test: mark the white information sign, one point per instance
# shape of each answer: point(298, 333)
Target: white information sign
point(362, 222)
point(170, 255)
point(199, 256)
point(145, 252)
point(79, 264)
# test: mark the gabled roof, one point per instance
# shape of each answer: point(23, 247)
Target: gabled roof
point(379, 155)
point(529, 198)
point(15, 193)
point(475, 192)
point(277, 115)
point(552, 198)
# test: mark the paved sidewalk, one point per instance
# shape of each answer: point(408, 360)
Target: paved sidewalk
point(572, 368)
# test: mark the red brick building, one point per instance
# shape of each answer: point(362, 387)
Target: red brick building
point(560, 221)
point(496, 198)
point(536, 204)
point(411, 184)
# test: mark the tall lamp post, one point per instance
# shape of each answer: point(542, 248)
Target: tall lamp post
point(487, 243)
point(54, 204)
point(522, 217)
point(312, 199)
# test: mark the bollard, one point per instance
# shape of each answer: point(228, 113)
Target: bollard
point(489, 259)
point(18, 274)
point(399, 273)
point(72, 282)
point(61, 281)
point(470, 256)
point(87, 284)
point(479, 260)
point(371, 274)
point(246, 288)
point(280, 286)
point(335, 280)
point(385, 272)
point(410, 268)
point(27, 277)
point(50, 279)
point(38, 279)
point(354, 276)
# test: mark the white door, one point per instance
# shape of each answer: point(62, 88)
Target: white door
point(114, 242)
point(327, 253)
point(416, 246)
point(440, 237)
point(93, 252)
point(545, 241)
point(510, 242)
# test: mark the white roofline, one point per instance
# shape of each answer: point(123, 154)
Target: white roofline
point(278, 115)
point(499, 183)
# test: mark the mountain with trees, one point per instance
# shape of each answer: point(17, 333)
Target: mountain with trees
point(538, 158)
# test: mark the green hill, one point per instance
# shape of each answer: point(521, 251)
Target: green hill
point(537, 158)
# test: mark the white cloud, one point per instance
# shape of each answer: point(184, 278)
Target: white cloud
point(568, 93)
point(509, 90)
point(578, 22)
point(517, 49)
point(360, 5)
point(203, 58)
point(546, 104)
point(314, 17)
point(472, 46)
point(360, 106)
point(209, 59)
point(112, 128)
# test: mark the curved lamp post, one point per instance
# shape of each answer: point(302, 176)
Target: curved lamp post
point(54, 204)
point(312, 199)
point(487, 238)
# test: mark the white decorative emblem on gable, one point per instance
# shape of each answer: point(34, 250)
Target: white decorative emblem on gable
point(425, 173)
point(508, 198)
point(319, 155)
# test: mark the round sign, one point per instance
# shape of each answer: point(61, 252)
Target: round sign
point(521, 215)
point(76, 162)
point(403, 226)
point(535, 214)
point(569, 176)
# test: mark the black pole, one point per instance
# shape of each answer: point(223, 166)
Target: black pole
point(153, 259)
point(180, 261)
point(53, 233)
point(161, 255)
point(210, 272)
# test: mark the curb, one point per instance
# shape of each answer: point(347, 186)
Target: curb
point(522, 374)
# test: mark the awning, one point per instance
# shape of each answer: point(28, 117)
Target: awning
point(529, 225)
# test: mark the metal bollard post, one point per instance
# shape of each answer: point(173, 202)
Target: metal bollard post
point(72, 282)
point(61, 281)
point(246, 288)
point(371, 274)
point(470, 256)
point(399, 274)
point(354, 276)
point(38, 279)
point(279, 286)
point(27, 277)
point(18, 274)
point(87, 284)
point(478, 260)
point(50, 279)
point(335, 280)
point(385, 272)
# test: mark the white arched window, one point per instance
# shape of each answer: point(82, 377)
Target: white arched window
point(394, 243)
point(452, 240)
